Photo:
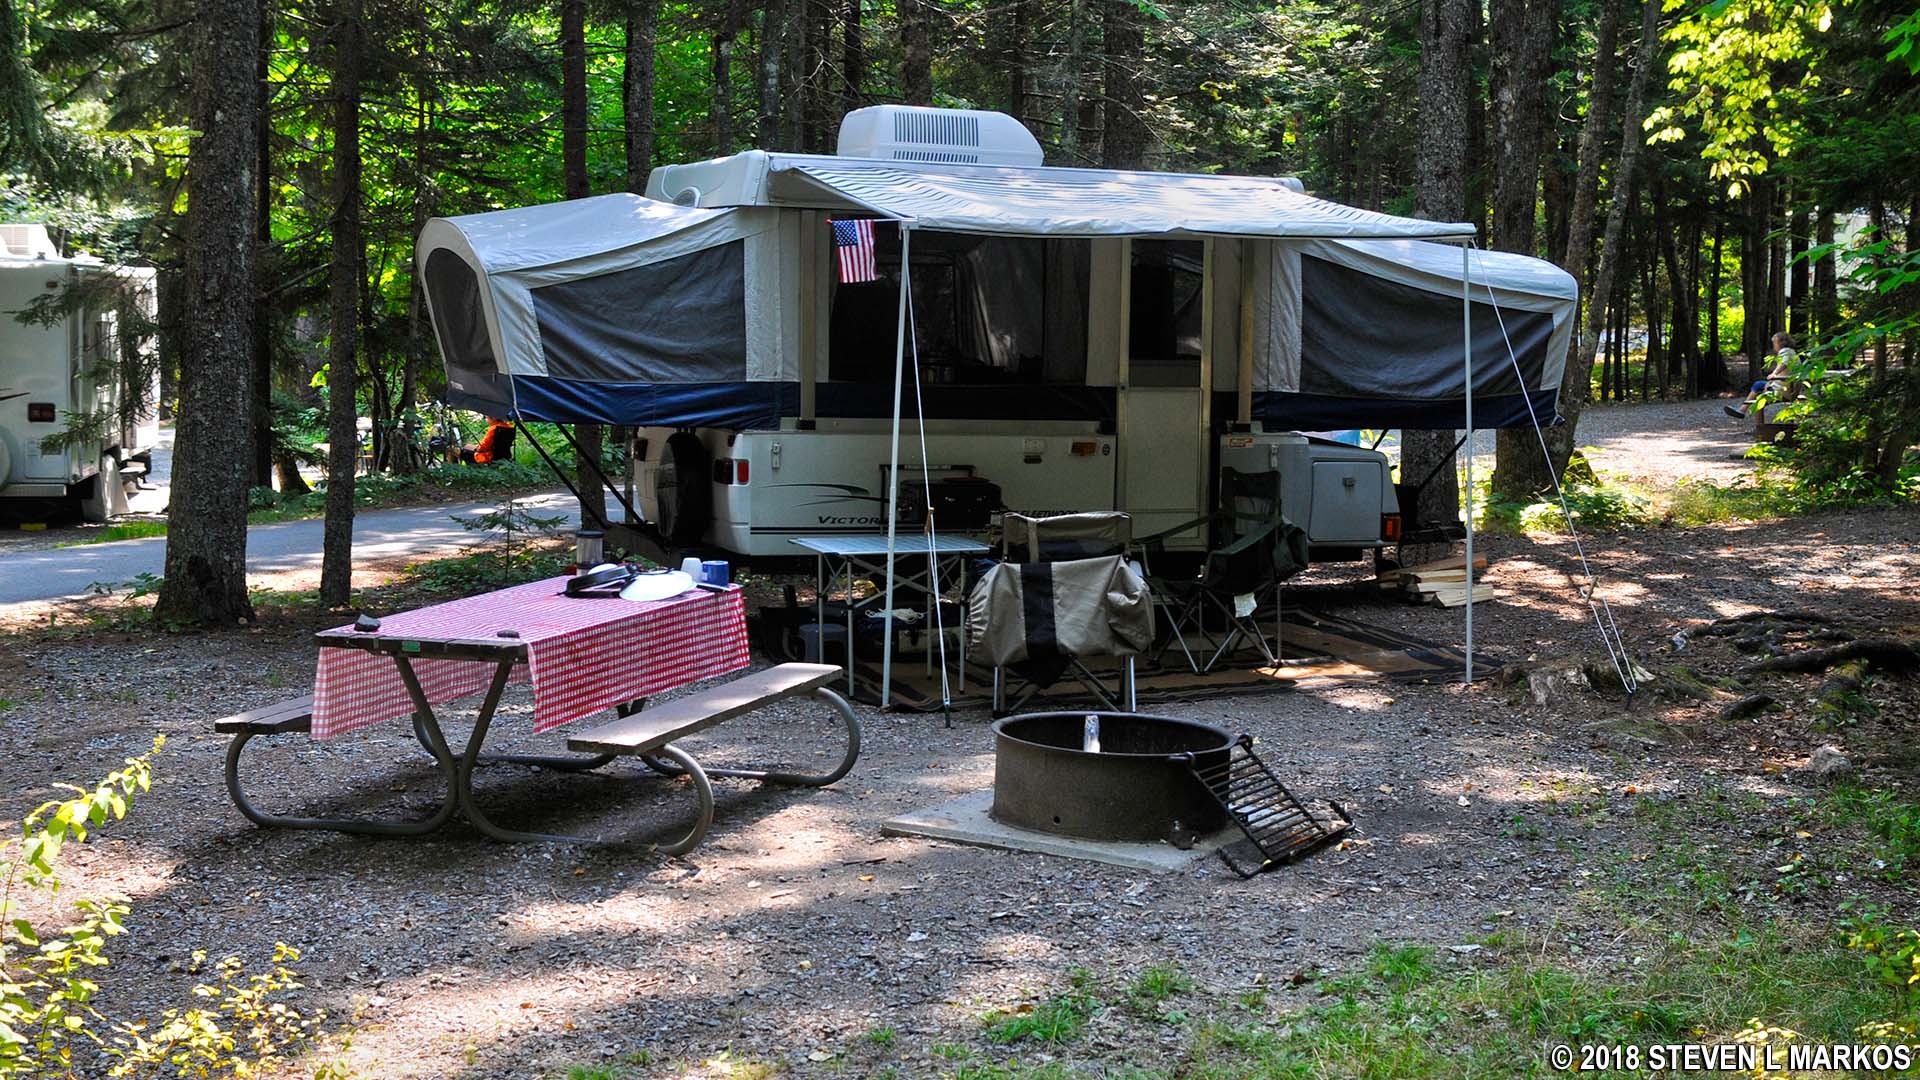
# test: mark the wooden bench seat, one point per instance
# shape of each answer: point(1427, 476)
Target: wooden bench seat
point(653, 728)
point(293, 714)
point(649, 734)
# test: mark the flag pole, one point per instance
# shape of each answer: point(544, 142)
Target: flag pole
point(893, 475)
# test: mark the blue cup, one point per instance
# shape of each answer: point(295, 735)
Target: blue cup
point(714, 572)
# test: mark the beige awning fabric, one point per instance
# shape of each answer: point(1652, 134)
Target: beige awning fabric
point(1084, 202)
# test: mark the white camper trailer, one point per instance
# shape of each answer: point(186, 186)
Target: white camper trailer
point(1077, 339)
point(67, 372)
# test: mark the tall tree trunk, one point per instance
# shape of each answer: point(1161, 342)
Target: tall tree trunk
point(1578, 383)
point(720, 108)
point(1826, 277)
point(1014, 53)
point(1519, 469)
point(773, 41)
point(636, 90)
point(1440, 194)
point(821, 89)
point(1123, 140)
point(262, 374)
point(1716, 269)
point(853, 57)
point(344, 282)
point(206, 564)
point(573, 97)
point(1755, 254)
point(573, 113)
point(916, 58)
point(1522, 53)
point(1073, 74)
point(1800, 320)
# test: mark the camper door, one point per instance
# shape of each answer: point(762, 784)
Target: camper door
point(1164, 382)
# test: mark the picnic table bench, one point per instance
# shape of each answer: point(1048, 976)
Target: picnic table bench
point(582, 656)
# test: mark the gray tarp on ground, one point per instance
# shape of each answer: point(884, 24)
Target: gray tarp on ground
point(1043, 611)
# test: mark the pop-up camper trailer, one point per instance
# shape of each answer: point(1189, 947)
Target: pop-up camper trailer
point(1077, 339)
point(66, 375)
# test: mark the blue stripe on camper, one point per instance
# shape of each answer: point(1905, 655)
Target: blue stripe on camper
point(745, 405)
point(738, 405)
point(1315, 412)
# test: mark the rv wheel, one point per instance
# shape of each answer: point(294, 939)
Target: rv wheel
point(684, 489)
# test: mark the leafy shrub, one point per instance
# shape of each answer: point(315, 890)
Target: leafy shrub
point(47, 989)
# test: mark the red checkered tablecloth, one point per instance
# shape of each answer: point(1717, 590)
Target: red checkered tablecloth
point(582, 655)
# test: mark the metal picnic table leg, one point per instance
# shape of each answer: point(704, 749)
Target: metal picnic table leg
point(436, 746)
point(464, 765)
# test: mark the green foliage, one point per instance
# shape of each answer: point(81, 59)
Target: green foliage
point(1741, 67)
point(46, 984)
point(380, 490)
point(1057, 1020)
point(48, 992)
point(1594, 501)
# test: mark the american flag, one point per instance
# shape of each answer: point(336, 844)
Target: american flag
point(853, 242)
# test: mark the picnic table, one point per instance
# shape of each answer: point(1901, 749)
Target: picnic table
point(580, 656)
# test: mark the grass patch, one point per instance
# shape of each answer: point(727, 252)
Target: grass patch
point(439, 483)
point(126, 530)
point(1891, 822)
point(1158, 983)
point(1059, 1019)
point(882, 1036)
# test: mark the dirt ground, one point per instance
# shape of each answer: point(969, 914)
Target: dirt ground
point(796, 931)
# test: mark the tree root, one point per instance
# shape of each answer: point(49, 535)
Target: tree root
point(1879, 654)
point(1745, 707)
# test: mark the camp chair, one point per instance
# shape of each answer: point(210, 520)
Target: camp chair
point(1255, 549)
point(1063, 593)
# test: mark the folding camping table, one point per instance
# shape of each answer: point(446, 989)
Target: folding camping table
point(842, 559)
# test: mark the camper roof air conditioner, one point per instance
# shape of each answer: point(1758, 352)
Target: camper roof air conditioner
point(28, 242)
point(953, 136)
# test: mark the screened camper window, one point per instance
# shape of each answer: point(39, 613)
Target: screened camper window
point(1163, 329)
point(460, 320)
point(987, 311)
point(679, 320)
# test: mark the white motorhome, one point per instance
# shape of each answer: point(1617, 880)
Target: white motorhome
point(1077, 339)
point(65, 372)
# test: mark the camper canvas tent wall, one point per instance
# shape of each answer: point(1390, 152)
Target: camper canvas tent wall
point(52, 374)
point(1085, 337)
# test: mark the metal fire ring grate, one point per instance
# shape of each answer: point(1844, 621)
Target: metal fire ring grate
point(1278, 828)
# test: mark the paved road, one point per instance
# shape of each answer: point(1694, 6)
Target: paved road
point(294, 545)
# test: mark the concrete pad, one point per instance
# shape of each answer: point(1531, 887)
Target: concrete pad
point(965, 821)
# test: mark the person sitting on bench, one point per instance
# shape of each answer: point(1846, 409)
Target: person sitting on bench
point(495, 445)
point(1774, 386)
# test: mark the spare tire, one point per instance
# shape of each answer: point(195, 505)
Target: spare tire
point(683, 489)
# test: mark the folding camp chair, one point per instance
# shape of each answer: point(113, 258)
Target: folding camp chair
point(1063, 593)
point(1255, 549)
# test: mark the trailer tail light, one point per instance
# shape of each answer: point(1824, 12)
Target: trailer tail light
point(1390, 527)
point(40, 412)
point(740, 470)
point(730, 470)
point(1084, 447)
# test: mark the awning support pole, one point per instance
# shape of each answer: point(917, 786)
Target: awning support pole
point(555, 466)
point(893, 475)
point(1466, 361)
point(619, 496)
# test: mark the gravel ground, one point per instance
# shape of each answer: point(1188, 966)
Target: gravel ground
point(796, 928)
point(1659, 443)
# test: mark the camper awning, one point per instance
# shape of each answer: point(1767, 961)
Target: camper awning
point(1084, 202)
